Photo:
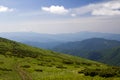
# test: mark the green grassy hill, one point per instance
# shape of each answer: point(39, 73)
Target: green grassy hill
point(22, 62)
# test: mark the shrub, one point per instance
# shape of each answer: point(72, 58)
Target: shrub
point(87, 64)
point(89, 72)
point(26, 66)
point(61, 67)
point(38, 70)
point(110, 72)
point(1, 62)
point(77, 63)
point(49, 65)
point(107, 74)
point(67, 62)
point(5, 69)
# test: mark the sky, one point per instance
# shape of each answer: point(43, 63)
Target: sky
point(60, 16)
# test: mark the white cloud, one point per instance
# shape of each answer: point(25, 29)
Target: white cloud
point(109, 8)
point(55, 9)
point(106, 12)
point(5, 9)
point(73, 15)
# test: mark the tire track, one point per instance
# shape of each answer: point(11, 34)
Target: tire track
point(23, 74)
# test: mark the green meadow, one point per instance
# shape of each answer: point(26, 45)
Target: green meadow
point(22, 62)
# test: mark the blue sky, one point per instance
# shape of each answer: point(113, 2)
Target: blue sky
point(22, 4)
point(60, 16)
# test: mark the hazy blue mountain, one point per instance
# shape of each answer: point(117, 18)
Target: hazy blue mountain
point(52, 40)
point(95, 48)
point(31, 38)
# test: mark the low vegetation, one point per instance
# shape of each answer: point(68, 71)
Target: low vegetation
point(22, 62)
point(108, 72)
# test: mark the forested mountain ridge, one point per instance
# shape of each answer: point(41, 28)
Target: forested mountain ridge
point(95, 48)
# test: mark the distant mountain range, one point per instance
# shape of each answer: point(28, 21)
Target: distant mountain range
point(99, 49)
point(51, 40)
point(103, 47)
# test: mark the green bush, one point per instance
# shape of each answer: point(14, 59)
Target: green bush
point(61, 67)
point(87, 64)
point(26, 66)
point(68, 62)
point(5, 69)
point(1, 62)
point(89, 72)
point(110, 72)
point(38, 70)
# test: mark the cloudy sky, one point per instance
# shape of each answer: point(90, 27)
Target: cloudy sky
point(60, 16)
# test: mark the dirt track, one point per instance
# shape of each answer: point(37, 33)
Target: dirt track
point(23, 74)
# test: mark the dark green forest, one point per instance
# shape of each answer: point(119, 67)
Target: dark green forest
point(98, 49)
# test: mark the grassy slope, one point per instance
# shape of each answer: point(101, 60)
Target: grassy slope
point(22, 62)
